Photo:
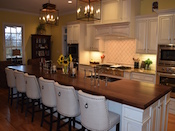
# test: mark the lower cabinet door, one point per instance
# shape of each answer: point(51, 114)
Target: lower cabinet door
point(136, 126)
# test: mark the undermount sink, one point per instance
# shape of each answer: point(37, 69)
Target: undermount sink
point(109, 79)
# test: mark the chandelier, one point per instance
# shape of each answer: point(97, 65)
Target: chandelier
point(88, 10)
point(49, 14)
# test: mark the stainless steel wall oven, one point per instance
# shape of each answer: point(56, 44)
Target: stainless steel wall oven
point(166, 66)
point(166, 55)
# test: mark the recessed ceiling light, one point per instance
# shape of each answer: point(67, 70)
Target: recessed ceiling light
point(69, 1)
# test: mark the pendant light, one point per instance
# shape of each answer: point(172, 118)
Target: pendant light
point(88, 10)
point(49, 14)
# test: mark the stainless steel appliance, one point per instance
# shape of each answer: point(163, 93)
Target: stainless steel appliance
point(112, 70)
point(166, 55)
point(166, 66)
point(73, 50)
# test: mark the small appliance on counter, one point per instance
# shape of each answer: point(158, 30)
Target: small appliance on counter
point(136, 63)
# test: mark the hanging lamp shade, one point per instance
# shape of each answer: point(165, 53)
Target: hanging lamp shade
point(49, 14)
point(88, 10)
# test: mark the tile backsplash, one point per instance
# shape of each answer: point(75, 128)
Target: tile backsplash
point(120, 51)
point(123, 52)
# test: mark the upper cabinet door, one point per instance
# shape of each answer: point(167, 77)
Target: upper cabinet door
point(69, 34)
point(76, 31)
point(141, 36)
point(152, 35)
point(146, 35)
point(115, 11)
point(73, 32)
point(165, 29)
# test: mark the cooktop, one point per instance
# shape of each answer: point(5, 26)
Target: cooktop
point(114, 66)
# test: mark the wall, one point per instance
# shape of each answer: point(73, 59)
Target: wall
point(57, 35)
point(30, 22)
point(146, 5)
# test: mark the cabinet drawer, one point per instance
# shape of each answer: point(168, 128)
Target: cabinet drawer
point(143, 77)
point(172, 104)
point(136, 114)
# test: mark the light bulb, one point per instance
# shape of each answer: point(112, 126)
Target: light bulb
point(69, 1)
point(48, 16)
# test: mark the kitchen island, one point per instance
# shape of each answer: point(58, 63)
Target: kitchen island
point(142, 106)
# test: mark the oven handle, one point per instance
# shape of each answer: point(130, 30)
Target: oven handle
point(166, 74)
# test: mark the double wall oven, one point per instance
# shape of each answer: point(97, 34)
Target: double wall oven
point(166, 66)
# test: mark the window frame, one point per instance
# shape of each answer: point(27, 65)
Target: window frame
point(23, 39)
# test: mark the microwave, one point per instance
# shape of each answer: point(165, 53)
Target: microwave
point(73, 50)
point(166, 55)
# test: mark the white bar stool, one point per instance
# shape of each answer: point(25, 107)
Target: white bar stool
point(48, 99)
point(67, 104)
point(11, 84)
point(33, 93)
point(94, 113)
point(21, 87)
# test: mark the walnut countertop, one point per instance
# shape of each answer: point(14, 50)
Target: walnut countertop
point(133, 93)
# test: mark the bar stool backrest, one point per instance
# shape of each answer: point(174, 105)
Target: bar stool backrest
point(10, 77)
point(20, 81)
point(94, 111)
point(67, 100)
point(32, 87)
point(47, 92)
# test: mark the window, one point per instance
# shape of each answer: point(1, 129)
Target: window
point(13, 40)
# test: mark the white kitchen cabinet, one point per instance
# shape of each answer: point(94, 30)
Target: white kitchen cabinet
point(146, 34)
point(153, 125)
point(166, 29)
point(166, 111)
point(160, 113)
point(143, 77)
point(92, 43)
point(153, 118)
point(172, 106)
point(73, 32)
point(87, 68)
point(135, 119)
point(115, 11)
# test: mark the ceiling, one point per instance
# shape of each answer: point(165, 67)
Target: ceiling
point(33, 6)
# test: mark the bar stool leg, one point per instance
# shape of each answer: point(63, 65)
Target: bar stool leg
point(117, 127)
point(8, 94)
point(11, 96)
point(33, 109)
point(74, 122)
point(58, 122)
point(70, 124)
point(17, 100)
point(27, 107)
point(22, 104)
point(51, 118)
point(39, 103)
point(42, 119)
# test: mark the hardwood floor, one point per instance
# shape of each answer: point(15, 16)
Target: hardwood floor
point(171, 122)
point(11, 119)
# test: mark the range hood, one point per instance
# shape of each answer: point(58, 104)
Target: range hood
point(114, 31)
